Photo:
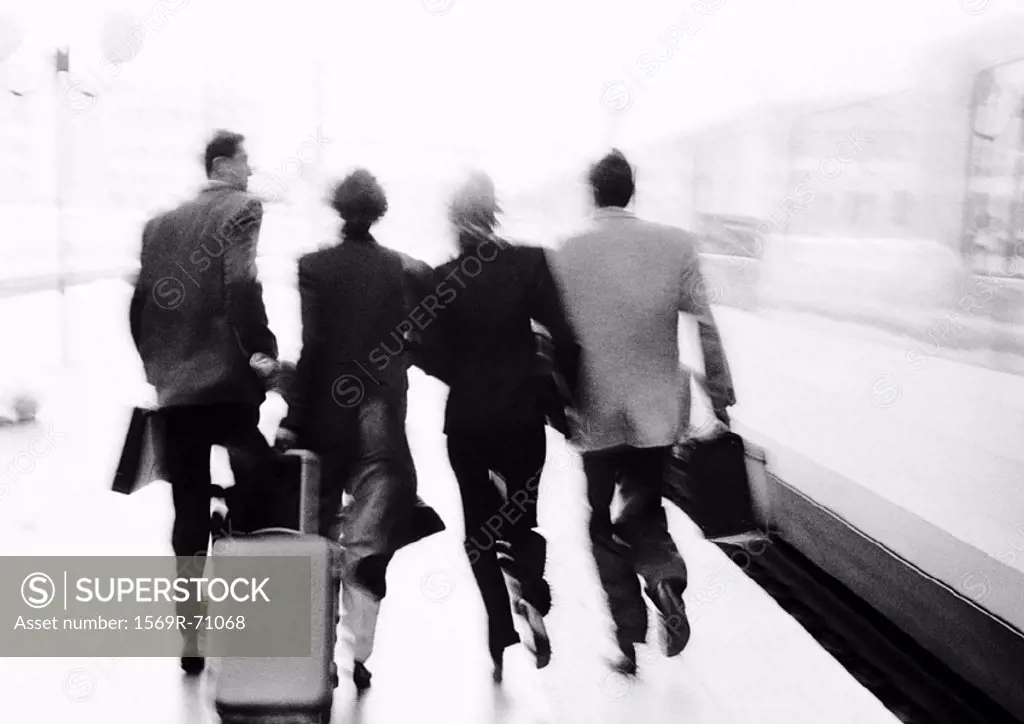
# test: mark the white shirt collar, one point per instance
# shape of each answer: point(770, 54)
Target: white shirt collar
point(614, 212)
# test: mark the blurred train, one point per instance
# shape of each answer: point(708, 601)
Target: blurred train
point(904, 212)
point(899, 210)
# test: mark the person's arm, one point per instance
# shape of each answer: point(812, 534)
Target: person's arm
point(548, 309)
point(298, 391)
point(416, 276)
point(246, 312)
point(427, 347)
point(139, 292)
point(693, 300)
point(718, 378)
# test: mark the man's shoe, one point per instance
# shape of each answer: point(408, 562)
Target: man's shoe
point(540, 646)
point(193, 665)
point(361, 676)
point(191, 662)
point(220, 523)
point(675, 626)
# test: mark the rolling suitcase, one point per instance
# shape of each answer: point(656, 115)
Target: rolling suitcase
point(272, 501)
point(269, 689)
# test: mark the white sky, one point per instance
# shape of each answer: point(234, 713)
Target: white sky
point(518, 81)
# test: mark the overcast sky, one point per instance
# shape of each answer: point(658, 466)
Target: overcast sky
point(526, 83)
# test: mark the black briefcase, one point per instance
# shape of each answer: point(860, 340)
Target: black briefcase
point(142, 455)
point(708, 480)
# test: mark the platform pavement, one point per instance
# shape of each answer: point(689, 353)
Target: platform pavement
point(747, 659)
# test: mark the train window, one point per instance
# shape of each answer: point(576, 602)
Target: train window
point(854, 202)
point(819, 217)
point(901, 204)
point(991, 223)
point(868, 213)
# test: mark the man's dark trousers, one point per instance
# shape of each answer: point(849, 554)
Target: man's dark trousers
point(637, 541)
point(189, 434)
point(507, 521)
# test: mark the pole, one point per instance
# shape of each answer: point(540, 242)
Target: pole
point(61, 147)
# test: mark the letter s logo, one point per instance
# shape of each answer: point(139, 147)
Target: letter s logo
point(38, 590)
point(168, 293)
point(976, 585)
point(884, 391)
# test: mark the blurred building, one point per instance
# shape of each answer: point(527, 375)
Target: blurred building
point(24, 149)
point(27, 184)
point(125, 139)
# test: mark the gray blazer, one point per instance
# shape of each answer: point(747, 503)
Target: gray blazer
point(625, 282)
point(197, 314)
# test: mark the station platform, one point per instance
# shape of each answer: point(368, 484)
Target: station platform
point(747, 658)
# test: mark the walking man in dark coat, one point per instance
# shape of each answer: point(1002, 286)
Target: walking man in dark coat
point(198, 321)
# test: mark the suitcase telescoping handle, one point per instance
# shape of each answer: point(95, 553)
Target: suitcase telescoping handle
point(309, 494)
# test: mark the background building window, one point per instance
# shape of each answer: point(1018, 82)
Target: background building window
point(820, 214)
point(853, 209)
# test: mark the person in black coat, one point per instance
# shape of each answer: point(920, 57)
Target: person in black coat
point(481, 342)
point(198, 321)
point(347, 401)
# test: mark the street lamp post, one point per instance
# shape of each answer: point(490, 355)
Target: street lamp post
point(61, 145)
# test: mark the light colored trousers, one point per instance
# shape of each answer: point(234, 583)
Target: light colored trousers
point(359, 612)
point(379, 495)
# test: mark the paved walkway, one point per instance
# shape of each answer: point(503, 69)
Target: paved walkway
point(747, 659)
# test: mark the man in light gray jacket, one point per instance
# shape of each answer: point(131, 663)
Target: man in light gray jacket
point(625, 283)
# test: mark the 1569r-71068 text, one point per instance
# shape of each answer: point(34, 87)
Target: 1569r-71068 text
point(190, 623)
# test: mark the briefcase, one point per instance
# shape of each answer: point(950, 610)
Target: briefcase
point(142, 455)
point(265, 689)
point(710, 479)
